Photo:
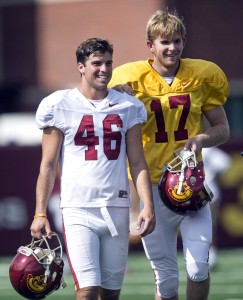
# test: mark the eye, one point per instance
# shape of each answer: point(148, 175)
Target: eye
point(178, 41)
point(165, 42)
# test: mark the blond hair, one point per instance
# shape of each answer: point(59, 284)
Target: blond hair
point(163, 23)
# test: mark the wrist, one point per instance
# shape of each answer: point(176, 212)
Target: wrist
point(40, 215)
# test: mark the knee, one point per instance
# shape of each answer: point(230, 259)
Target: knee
point(106, 294)
point(197, 271)
point(167, 288)
point(89, 292)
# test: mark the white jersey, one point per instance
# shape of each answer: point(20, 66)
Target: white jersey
point(93, 154)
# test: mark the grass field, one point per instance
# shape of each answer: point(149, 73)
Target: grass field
point(226, 279)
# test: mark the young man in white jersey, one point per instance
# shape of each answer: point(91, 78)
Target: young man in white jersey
point(177, 93)
point(90, 131)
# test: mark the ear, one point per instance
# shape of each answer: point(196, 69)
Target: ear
point(150, 46)
point(80, 68)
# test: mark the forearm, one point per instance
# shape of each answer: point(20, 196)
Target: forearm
point(218, 131)
point(141, 180)
point(215, 135)
point(44, 187)
point(146, 217)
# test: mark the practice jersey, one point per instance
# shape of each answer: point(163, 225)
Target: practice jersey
point(93, 154)
point(174, 111)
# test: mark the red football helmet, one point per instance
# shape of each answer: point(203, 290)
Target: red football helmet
point(182, 186)
point(36, 270)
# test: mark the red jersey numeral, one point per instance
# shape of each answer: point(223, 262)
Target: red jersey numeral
point(85, 136)
point(112, 137)
point(161, 136)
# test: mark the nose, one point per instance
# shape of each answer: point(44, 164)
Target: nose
point(104, 68)
point(172, 46)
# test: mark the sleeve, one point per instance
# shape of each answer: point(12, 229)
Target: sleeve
point(137, 113)
point(118, 77)
point(45, 115)
point(49, 113)
point(216, 88)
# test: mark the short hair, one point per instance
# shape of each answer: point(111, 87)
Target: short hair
point(164, 23)
point(91, 46)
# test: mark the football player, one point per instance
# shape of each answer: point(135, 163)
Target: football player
point(90, 130)
point(177, 93)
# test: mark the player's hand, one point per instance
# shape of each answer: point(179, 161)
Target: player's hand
point(146, 221)
point(123, 88)
point(194, 144)
point(39, 227)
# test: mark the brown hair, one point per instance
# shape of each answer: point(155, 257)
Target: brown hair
point(90, 46)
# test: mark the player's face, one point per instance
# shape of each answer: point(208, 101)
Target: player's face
point(167, 51)
point(97, 71)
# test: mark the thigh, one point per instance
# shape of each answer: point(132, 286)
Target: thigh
point(114, 250)
point(83, 246)
point(196, 232)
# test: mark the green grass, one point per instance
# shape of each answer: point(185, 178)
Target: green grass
point(226, 279)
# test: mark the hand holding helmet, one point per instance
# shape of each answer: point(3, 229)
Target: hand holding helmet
point(40, 227)
point(182, 186)
point(37, 269)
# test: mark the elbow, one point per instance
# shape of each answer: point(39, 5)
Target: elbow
point(227, 133)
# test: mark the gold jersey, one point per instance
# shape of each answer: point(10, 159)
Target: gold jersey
point(174, 111)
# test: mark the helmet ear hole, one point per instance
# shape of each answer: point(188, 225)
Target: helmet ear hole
point(193, 180)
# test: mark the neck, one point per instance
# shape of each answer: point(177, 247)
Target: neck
point(164, 70)
point(93, 94)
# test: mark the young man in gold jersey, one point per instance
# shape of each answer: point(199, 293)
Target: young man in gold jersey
point(177, 93)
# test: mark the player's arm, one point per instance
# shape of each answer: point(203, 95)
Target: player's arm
point(218, 132)
point(51, 146)
point(140, 176)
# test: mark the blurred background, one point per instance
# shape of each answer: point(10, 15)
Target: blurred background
point(38, 40)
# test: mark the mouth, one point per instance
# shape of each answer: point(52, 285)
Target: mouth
point(171, 55)
point(103, 76)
